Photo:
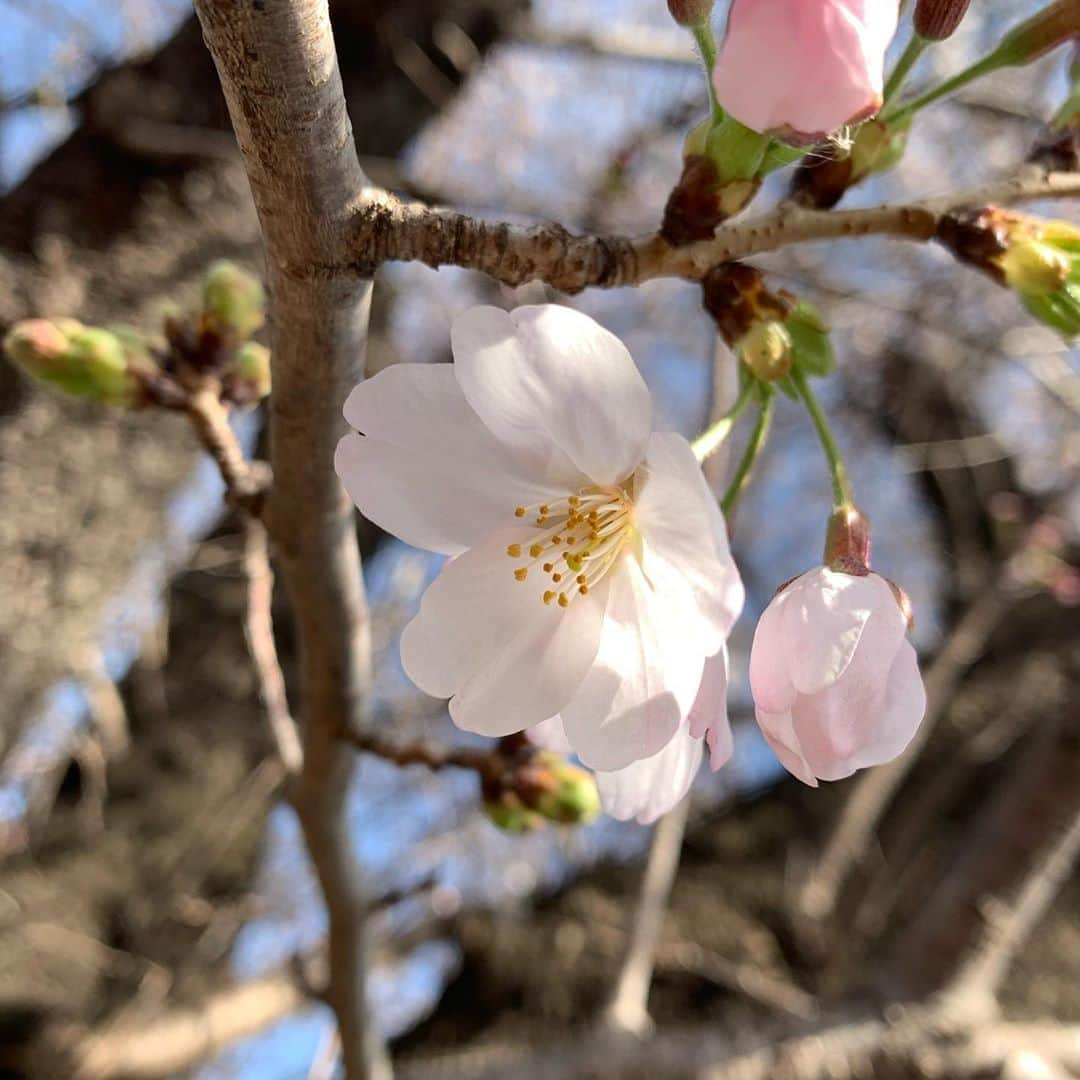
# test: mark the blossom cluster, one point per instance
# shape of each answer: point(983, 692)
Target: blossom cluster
point(590, 588)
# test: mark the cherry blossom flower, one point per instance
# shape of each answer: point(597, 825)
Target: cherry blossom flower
point(835, 681)
point(592, 575)
point(803, 68)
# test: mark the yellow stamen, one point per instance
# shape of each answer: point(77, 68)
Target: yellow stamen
point(564, 600)
point(514, 551)
point(548, 596)
point(521, 574)
point(519, 511)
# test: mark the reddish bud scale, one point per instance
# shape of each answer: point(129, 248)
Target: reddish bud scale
point(935, 20)
point(693, 208)
point(734, 294)
point(847, 541)
point(977, 237)
point(690, 12)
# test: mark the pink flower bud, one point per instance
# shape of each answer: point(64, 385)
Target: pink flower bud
point(836, 683)
point(803, 68)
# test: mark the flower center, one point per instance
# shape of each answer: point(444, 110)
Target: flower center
point(583, 535)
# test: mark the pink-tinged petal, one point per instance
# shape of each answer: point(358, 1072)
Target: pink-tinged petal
point(770, 682)
point(549, 735)
point(684, 541)
point(507, 660)
point(644, 681)
point(425, 468)
point(804, 68)
point(825, 614)
point(709, 715)
point(858, 725)
point(779, 733)
point(648, 789)
point(556, 384)
point(838, 723)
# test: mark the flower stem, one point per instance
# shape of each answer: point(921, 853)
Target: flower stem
point(840, 483)
point(950, 86)
point(915, 48)
point(706, 43)
point(710, 440)
point(753, 448)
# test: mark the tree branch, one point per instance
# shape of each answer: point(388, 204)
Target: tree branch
point(385, 228)
point(279, 71)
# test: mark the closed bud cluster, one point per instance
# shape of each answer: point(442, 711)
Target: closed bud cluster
point(233, 306)
point(559, 791)
point(81, 361)
point(770, 332)
point(936, 20)
point(690, 12)
point(544, 788)
point(1038, 259)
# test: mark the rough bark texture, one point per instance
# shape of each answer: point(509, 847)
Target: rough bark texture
point(385, 228)
point(279, 71)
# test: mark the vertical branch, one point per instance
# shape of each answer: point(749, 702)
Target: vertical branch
point(278, 68)
point(628, 1009)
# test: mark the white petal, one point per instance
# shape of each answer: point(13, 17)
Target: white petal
point(709, 715)
point(552, 381)
point(646, 676)
point(824, 616)
point(869, 717)
point(549, 735)
point(770, 682)
point(425, 468)
point(648, 789)
point(508, 660)
point(685, 551)
point(779, 732)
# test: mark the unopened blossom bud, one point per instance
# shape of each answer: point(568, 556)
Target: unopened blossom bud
point(769, 331)
point(1034, 268)
point(690, 12)
point(566, 794)
point(836, 683)
point(1038, 259)
point(801, 70)
point(82, 361)
point(247, 378)
point(233, 302)
point(936, 20)
point(766, 350)
point(38, 346)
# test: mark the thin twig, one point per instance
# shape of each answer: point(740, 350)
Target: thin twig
point(386, 228)
point(259, 632)
point(246, 482)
